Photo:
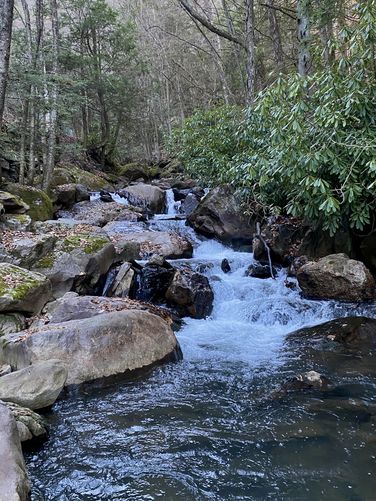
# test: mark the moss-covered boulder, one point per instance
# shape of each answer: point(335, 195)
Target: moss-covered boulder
point(22, 290)
point(134, 171)
point(40, 204)
point(78, 262)
point(69, 174)
point(12, 204)
point(16, 222)
point(11, 322)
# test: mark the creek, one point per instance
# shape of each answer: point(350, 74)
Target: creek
point(208, 427)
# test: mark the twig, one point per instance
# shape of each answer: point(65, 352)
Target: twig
point(261, 238)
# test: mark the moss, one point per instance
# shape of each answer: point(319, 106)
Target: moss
point(46, 262)
point(72, 174)
point(41, 208)
point(22, 284)
point(136, 170)
point(88, 243)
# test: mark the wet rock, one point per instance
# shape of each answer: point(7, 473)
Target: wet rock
point(190, 204)
point(22, 290)
point(105, 196)
point(13, 204)
point(30, 425)
point(96, 347)
point(145, 195)
point(219, 215)
point(145, 244)
point(296, 264)
point(225, 266)
point(66, 195)
point(123, 281)
point(258, 270)
point(336, 277)
point(311, 380)
point(5, 369)
point(191, 293)
point(36, 387)
point(153, 282)
point(14, 484)
point(351, 332)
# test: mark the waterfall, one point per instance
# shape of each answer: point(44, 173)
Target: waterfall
point(172, 207)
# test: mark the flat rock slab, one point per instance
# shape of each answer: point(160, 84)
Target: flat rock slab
point(95, 347)
point(163, 243)
point(14, 484)
point(35, 387)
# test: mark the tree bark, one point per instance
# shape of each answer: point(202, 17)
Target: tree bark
point(304, 56)
point(6, 22)
point(275, 34)
point(251, 49)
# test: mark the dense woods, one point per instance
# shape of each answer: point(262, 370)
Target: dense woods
point(112, 82)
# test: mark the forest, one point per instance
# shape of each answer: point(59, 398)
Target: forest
point(187, 249)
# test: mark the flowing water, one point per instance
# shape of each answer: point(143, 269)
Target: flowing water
point(209, 427)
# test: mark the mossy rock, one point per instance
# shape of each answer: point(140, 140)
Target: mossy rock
point(41, 207)
point(90, 244)
point(134, 171)
point(72, 174)
point(22, 290)
point(11, 322)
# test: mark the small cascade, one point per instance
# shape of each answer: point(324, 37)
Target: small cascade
point(172, 207)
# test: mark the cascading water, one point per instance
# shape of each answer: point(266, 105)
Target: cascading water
point(208, 428)
point(172, 206)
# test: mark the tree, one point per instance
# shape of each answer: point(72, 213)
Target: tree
point(6, 22)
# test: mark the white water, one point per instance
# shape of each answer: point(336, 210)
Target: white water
point(115, 197)
point(172, 206)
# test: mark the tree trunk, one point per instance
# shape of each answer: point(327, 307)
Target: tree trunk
point(250, 47)
point(304, 57)
point(275, 35)
point(52, 126)
point(6, 22)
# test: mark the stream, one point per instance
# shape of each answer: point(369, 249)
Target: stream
point(208, 427)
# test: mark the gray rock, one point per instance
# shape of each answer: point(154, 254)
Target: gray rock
point(336, 277)
point(28, 250)
point(30, 425)
point(191, 293)
point(36, 387)
point(145, 195)
point(123, 281)
point(22, 290)
point(11, 322)
point(5, 369)
point(96, 347)
point(14, 484)
point(190, 204)
point(16, 222)
point(219, 215)
point(12, 203)
point(148, 243)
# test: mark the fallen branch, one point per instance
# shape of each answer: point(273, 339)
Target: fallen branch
point(263, 241)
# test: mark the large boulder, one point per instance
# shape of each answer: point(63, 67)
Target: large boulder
point(36, 387)
point(141, 245)
point(15, 222)
point(100, 213)
point(78, 261)
point(336, 277)
point(153, 281)
point(145, 195)
point(136, 171)
point(12, 204)
point(68, 174)
point(27, 248)
point(22, 290)
point(219, 215)
point(66, 195)
point(123, 281)
point(14, 484)
point(191, 293)
point(96, 347)
point(11, 322)
point(40, 204)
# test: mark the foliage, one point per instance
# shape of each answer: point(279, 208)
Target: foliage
point(309, 143)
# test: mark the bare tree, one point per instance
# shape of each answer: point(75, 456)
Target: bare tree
point(304, 56)
point(6, 22)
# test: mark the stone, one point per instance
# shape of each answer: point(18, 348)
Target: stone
point(100, 213)
point(123, 281)
point(153, 281)
point(225, 266)
point(219, 215)
point(136, 171)
point(5, 369)
point(22, 290)
point(74, 307)
point(16, 222)
point(351, 332)
point(30, 248)
point(30, 425)
point(142, 245)
point(11, 322)
point(105, 196)
point(36, 387)
point(145, 195)
point(78, 261)
point(96, 347)
point(307, 381)
point(190, 204)
point(12, 204)
point(40, 204)
point(336, 277)
point(66, 195)
point(258, 270)
point(14, 484)
point(191, 293)
point(67, 174)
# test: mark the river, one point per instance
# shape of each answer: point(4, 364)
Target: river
point(208, 427)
